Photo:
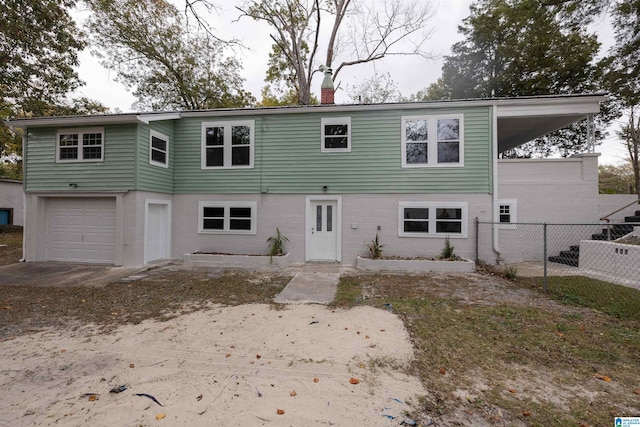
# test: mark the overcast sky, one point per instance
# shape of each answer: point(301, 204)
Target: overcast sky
point(410, 73)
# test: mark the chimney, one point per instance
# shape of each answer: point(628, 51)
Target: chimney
point(326, 90)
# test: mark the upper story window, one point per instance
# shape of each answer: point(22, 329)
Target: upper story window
point(432, 141)
point(158, 149)
point(80, 145)
point(429, 219)
point(336, 135)
point(227, 145)
point(227, 217)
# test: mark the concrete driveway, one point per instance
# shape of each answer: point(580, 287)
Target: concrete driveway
point(63, 274)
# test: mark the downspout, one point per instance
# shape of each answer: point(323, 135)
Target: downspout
point(23, 135)
point(494, 207)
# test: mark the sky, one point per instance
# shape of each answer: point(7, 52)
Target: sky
point(410, 73)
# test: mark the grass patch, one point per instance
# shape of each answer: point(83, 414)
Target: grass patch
point(162, 295)
point(619, 301)
point(548, 352)
point(11, 253)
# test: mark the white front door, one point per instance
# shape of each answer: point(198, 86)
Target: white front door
point(156, 239)
point(323, 230)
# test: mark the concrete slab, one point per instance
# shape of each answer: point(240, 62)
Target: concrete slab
point(311, 284)
point(63, 274)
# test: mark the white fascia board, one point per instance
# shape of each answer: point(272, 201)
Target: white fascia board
point(146, 118)
point(550, 106)
point(72, 121)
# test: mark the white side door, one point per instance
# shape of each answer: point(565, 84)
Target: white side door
point(323, 230)
point(157, 231)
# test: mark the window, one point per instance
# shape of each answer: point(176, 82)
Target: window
point(428, 219)
point(227, 217)
point(227, 145)
point(336, 135)
point(432, 141)
point(80, 145)
point(158, 149)
point(507, 213)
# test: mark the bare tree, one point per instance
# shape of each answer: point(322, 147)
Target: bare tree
point(630, 135)
point(360, 33)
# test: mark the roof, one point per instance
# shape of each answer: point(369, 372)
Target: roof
point(519, 119)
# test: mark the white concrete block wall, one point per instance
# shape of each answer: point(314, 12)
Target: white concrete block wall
point(12, 197)
point(365, 212)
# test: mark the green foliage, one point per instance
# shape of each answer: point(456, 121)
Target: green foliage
point(434, 92)
point(152, 50)
point(447, 251)
point(616, 179)
point(511, 272)
point(524, 48)
point(375, 248)
point(276, 244)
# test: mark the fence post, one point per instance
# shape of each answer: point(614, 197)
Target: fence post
point(545, 257)
point(477, 232)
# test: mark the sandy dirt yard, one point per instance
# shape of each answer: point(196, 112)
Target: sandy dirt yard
point(224, 366)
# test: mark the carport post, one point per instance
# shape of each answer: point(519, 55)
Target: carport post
point(545, 257)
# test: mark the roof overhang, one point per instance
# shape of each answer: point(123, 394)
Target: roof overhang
point(521, 122)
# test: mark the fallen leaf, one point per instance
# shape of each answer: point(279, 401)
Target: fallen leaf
point(233, 346)
point(160, 416)
point(560, 334)
point(293, 393)
point(63, 351)
point(366, 336)
point(526, 413)
point(443, 371)
point(382, 330)
point(354, 381)
point(93, 398)
point(581, 328)
point(115, 313)
point(228, 355)
point(512, 390)
point(280, 412)
point(603, 378)
point(199, 398)
point(358, 332)
point(637, 391)
point(131, 365)
point(258, 356)
point(361, 365)
point(584, 425)
point(316, 379)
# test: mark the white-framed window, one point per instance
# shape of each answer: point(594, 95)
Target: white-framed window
point(228, 144)
point(336, 135)
point(429, 141)
point(508, 213)
point(227, 217)
point(432, 219)
point(158, 149)
point(80, 145)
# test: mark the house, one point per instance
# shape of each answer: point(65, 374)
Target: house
point(129, 189)
point(11, 202)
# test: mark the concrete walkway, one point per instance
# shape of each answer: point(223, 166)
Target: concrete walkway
point(311, 284)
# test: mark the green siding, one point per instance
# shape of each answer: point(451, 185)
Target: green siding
point(288, 157)
point(115, 173)
point(150, 177)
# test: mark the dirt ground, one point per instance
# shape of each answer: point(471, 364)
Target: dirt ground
point(212, 348)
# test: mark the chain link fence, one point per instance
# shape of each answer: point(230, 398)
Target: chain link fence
point(557, 256)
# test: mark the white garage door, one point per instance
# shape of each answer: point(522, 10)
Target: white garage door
point(81, 230)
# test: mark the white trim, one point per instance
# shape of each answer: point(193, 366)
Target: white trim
point(432, 141)
point(227, 146)
point(80, 132)
point(227, 206)
point(167, 233)
point(309, 223)
point(432, 206)
point(147, 118)
point(335, 121)
point(165, 138)
point(513, 214)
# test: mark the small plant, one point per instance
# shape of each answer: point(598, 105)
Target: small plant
point(447, 251)
point(276, 245)
point(375, 248)
point(511, 272)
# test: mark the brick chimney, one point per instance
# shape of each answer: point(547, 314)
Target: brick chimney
point(326, 90)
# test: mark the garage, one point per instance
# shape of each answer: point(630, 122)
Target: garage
point(81, 230)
